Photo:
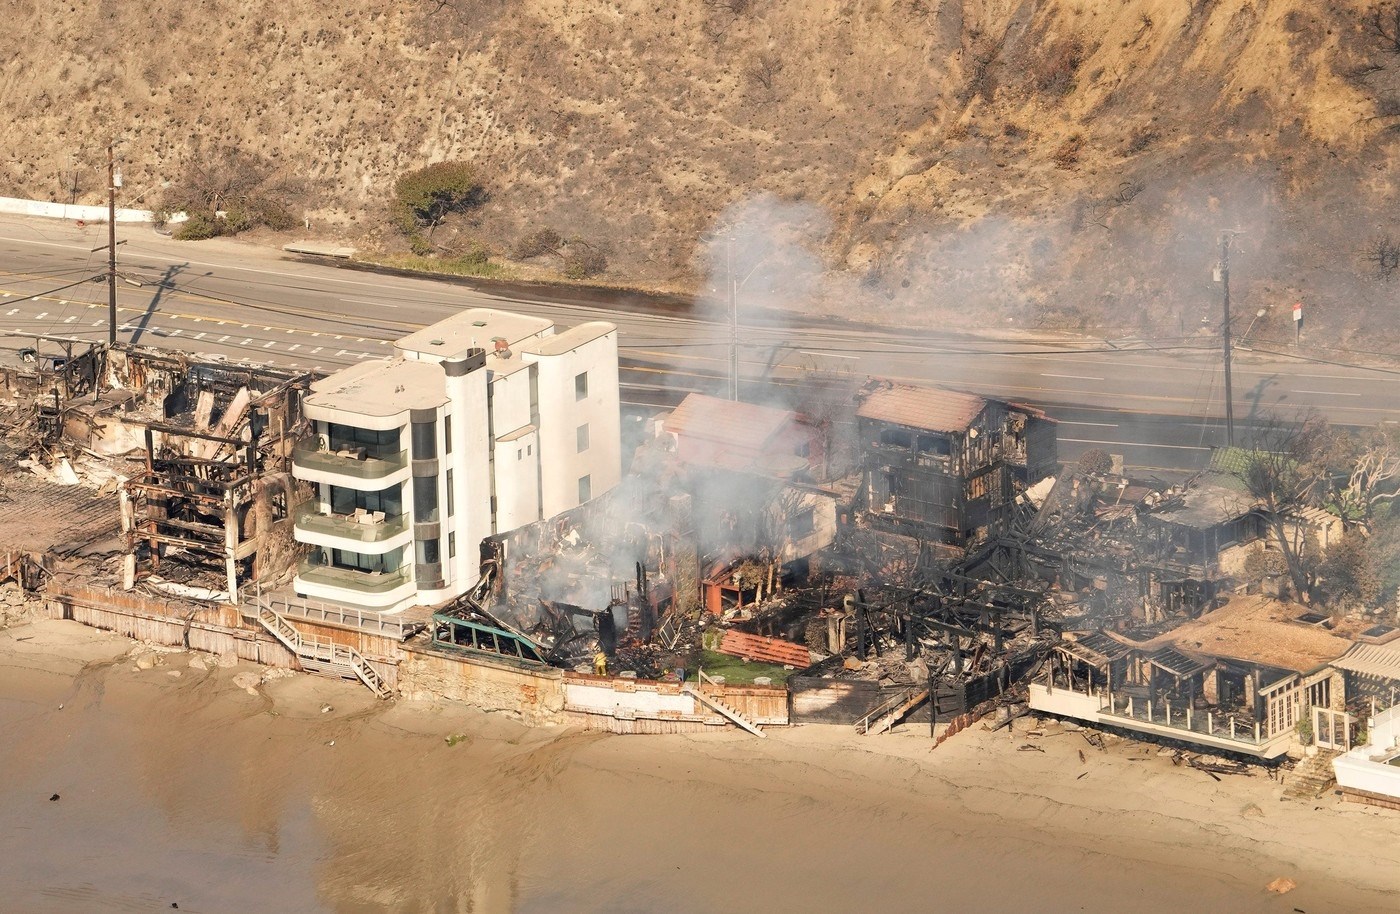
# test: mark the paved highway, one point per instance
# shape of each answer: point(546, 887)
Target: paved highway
point(246, 304)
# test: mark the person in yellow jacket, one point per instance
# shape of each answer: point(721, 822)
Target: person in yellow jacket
point(600, 663)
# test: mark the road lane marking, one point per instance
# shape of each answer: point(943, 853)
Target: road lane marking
point(366, 301)
point(1175, 447)
point(1324, 393)
point(1072, 377)
point(1101, 424)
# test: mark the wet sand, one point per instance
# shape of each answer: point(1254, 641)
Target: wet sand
point(190, 790)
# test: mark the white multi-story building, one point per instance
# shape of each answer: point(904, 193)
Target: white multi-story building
point(479, 424)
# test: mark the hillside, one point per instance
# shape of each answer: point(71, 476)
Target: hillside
point(984, 162)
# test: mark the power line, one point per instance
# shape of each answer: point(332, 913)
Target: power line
point(50, 291)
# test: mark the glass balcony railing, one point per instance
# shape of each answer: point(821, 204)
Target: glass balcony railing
point(363, 529)
point(353, 579)
point(349, 461)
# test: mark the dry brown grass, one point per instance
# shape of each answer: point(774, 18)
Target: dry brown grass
point(931, 133)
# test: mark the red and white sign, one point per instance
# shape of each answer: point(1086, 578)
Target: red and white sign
point(1298, 312)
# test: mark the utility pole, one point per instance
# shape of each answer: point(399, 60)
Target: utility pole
point(111, 244)
point(1225, 335)
point(733, 318)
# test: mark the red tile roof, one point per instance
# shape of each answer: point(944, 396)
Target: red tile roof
point(922, 407)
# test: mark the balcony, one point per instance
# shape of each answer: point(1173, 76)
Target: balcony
point(364, 582)
point(359, 528)
point(353, 462)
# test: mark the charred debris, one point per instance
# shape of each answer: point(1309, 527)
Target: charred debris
point(191, 457)
point(884, 550)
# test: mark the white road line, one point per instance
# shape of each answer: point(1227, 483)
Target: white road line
point(1320, 393)
point(294, 347)
point(1072, 377)
point(366, 301)
point(199, 336)
point(268, 344)
point(69, 320)
point(1175, 447)
point(316, 350)
point(246, 341)
point(224, 338)
point(1101, 424)
point(41, 315)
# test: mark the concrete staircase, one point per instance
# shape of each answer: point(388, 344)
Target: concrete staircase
point(724, 710)
point(320, 655)
point(1311, 777)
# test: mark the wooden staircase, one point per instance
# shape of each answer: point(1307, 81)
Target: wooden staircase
point(891, 711)
point(321, 655)
point(724, 710)
point(1311, 777)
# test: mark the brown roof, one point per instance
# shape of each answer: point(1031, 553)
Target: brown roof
point(1256, 629)
point(922, 407)
point(731, 435)
point(713, 419)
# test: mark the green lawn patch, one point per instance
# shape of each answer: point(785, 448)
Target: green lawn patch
point(739, 672)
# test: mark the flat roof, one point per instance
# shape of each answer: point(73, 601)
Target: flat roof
point(502, 367)
point(1205, 504)
point(474, 328)
point(382, 387)
point(570, 339)
point(1255, 629)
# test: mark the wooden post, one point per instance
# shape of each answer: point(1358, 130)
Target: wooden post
point(231, 544)
point(932, 706)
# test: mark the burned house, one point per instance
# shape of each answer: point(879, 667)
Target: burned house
point(943, 465)
point(1240, 678)
point(214, 491)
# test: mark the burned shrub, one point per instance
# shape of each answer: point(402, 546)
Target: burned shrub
point(1054, 70)
point(583, 262)
point(1384, 256)
point(533, 244)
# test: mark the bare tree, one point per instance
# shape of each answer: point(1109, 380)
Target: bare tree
point(765, 69)
point(1373, 457)
point(1384, 253)
point(1283, 472)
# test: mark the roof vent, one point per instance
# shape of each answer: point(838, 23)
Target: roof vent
point(436, 343)
point(478, 323)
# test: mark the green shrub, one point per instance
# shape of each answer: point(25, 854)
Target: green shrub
point(421, 246)
point(424, 197)
point(199, 226)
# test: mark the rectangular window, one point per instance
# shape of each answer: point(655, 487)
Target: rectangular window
point(802, 524)
point(451, 545)
point(585, 489)
point(581, 386)
point(582, 436)
point(447, 434)
point(451, 496)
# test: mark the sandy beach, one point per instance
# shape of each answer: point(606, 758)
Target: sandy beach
point(304, 794)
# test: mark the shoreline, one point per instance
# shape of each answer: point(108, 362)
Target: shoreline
point(192, 789)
